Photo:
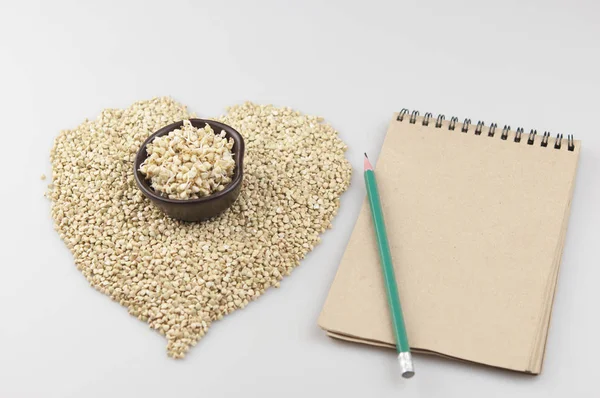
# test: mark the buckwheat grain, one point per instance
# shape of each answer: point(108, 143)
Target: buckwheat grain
point(179, 277)
point(189, 162)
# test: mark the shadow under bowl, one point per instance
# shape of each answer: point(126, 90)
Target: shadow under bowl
point(205, 207)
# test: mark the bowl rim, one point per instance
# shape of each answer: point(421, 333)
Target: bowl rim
point(238, 152)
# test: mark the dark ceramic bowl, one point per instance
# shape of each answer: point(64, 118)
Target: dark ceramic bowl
point(202, 208)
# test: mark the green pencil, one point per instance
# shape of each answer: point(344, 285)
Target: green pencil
point(404, 356)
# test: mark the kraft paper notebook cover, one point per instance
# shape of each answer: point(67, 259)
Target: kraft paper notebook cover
point(476, 216)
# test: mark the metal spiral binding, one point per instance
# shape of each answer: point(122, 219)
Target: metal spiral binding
point(558, 141)
point(439, 122)
point(531, 138)
point(426, 118)
point(505, 131)
point(544, 142)
point(403, 112)
point(479, 127)
point(518, 134)
point(452, 124)
point(413, 117)
point(465, 126)
point(570, 142)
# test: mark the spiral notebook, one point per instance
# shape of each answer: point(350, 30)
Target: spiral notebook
point(476, 217)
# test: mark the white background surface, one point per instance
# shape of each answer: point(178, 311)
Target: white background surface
point(529, 64)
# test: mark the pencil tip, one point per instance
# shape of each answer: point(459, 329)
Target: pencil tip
point(367, 163)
